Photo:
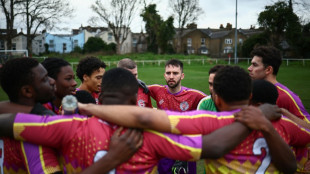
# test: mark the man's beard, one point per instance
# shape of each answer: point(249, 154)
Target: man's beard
point(174, 85)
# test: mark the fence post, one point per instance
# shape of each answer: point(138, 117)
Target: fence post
point(303, 62)
point(286, 62)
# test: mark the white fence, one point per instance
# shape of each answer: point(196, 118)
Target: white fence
point(204, 61)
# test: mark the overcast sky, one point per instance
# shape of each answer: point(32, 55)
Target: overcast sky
point(216, 12)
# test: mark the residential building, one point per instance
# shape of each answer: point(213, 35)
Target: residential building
point(213, 42)
point(139, 42)
point(64, 43)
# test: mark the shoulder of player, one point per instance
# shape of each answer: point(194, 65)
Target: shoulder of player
point(195, 91)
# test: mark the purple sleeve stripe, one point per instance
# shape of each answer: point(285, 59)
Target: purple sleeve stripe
point(31, 119)
point(196, 91)
point(297, 102)
point(33, 151)
point(202, 113)
point(190, 142)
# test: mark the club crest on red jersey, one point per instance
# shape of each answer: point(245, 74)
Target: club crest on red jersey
point(141, 103)
point(184, 106)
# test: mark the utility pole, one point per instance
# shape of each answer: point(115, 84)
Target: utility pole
point(236, 41)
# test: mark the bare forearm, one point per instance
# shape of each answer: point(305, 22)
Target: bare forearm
point(10, 107)
point(281, 154)
point(104, 165)
point(230, 137)
point(6, 125)
point(296, 119)
point(131, 116)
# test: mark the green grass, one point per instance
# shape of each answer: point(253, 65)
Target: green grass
point(295, 76)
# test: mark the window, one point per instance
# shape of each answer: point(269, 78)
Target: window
point(240, 40)
point(75, 43)
point(1, 44)
point(13, 46)
point(203, 41)
point(51, 45)
point(110, 35)
point(189, 42)
point(40, 43)
point(228, 41)
point(134, 42)
point(64, 47)
point(228, 50)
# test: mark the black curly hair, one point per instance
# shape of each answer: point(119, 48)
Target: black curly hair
point(118, 81)
point(232, 83)
point(88, 65)
point(271, 56)
point(16, 73)
point(264, 92)
point(53, 66)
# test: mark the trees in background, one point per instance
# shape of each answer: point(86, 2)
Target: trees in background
point(159, 31)
point(118, 15)
point(185, 12)
point(42, 14)
point(282, 27)
point(8, 7)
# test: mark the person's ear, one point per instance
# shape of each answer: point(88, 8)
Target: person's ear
point(269, 70)
point(216, 100)
point(27, 91)
point(85, 78)
point(182, 76)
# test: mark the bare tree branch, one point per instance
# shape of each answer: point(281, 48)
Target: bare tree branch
point(118, 15)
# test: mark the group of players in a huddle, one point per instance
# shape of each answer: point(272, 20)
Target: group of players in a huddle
point(236, 129)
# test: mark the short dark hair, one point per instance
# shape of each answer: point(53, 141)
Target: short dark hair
point(175, 62)
point(119, 80)
point(264, 92)
point(53, 66)
point(232, 83)
point(127, 63)
point(83, 96)
point(215, 68)
point(16, 73)
point(271, 56)
point(88, 65)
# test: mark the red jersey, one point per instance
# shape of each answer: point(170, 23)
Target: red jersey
point(252, 155)
point(143, 99)
point(21, 157)
point(82, 141)
point(290, 101)
point(185, 100)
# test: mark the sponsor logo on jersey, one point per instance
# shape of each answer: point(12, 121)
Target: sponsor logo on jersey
point(184, 106)
point(141, 103)
point(161, 101)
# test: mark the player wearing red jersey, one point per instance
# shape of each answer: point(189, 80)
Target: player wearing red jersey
point(176, 97)
point(265, 65)
point(143, 98)
point(90, 71)
point(30, 86)
point(26, 158)
point(81, 143)
point(173, 96)
point(62, 72)
point(232, 88)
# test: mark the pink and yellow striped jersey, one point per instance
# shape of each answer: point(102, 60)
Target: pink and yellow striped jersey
point(21, 157)
point(252, 155)
point(81, 141)
point(290, 101)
